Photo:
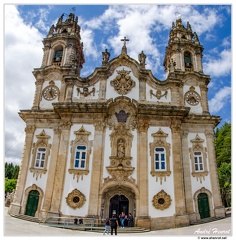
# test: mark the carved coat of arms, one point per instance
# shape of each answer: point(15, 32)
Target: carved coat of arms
point(123, 82)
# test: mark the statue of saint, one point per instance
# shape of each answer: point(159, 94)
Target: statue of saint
point(120, 149)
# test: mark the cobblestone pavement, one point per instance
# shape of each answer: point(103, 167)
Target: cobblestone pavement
point(13, 227)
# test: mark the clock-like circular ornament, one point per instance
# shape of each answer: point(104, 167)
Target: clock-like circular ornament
point(50, 92)
point(192, 98)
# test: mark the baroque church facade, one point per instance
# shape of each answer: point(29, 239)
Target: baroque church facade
point(119, 139)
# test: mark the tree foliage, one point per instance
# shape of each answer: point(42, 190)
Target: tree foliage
point(223, 160)
point(11, 171)
point(11, 175)
point(10, 185)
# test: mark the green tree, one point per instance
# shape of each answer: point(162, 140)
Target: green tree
point(10, 185)
point(11, 171)
point(11, 175)
point(223, 159)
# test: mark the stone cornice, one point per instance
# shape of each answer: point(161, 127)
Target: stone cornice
point(203, 119)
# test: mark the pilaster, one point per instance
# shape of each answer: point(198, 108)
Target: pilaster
point(204, 99)
point(97, 165)
point(37, 95)
point(51, 173)
point(142, 88)
point(59, 179)
point(187, 177)
point(142, 170)
point(181, 219)
point(69, 91)
point(15, 207)
point(215, 187)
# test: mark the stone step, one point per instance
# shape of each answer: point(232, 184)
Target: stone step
point(100, 229)
point(206, 220)
point(124, 230)
point(26, 218)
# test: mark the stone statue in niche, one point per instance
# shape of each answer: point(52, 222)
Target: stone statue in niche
point(120, 148)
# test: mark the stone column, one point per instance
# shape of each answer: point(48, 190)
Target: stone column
point(204, 99)
point(51, 173)
point(215, 187)
point(62, 157)
point(38, 94)
point(181, 219)
point(15, 206)
point(96, 176)
point(142, 214)
point(187, 177)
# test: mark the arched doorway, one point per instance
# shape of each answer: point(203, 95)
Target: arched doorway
point(203, 205)
point(32, 203)
point(118, 204)
point(118, 198)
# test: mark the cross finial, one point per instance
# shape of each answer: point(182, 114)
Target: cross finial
point(125, 40)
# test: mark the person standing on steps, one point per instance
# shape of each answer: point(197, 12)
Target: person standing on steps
point(122, 219)
point(114, 224)
point(130, 220)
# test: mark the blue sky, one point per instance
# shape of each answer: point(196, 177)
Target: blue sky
point(146, 26)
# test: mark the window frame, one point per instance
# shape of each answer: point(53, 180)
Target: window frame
point(159, 161)
point(42, 142)
point(81, 139)
point(80, 159)
point(197, 146)
point(159, 141)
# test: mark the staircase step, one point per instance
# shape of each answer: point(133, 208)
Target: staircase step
point(206, 220)
point(26, 218)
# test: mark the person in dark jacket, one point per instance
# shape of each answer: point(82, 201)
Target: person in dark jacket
point(130, 220)
point(114, 224)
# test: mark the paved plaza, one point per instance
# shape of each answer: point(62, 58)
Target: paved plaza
point(13, 227)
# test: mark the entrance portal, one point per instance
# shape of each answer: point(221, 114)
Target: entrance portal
point(32, 203)
point(203, 205)
point(118, 204)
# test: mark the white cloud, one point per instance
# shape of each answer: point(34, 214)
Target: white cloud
point(23, 52)
point(217, 67)
point(219, 100)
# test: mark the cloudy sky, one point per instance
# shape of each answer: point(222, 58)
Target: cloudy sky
point(102, 26)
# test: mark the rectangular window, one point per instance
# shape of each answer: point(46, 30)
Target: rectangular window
point(80, 157)
point(198, 162)
point(40, 158)
point(160, 159)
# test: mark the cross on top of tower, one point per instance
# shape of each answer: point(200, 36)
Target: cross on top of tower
point(125, 40)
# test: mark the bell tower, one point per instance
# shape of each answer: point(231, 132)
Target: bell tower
point(62, 62)
point(184, 51)
point(62, 46)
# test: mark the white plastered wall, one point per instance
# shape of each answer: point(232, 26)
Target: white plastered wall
point(155, 186)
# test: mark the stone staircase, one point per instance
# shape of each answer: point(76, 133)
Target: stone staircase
point(211, 219)
point(123, 230)
point(26, 218)
point(206, 220)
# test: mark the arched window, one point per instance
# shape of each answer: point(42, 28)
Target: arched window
point(187, 60)
point(58, 56)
